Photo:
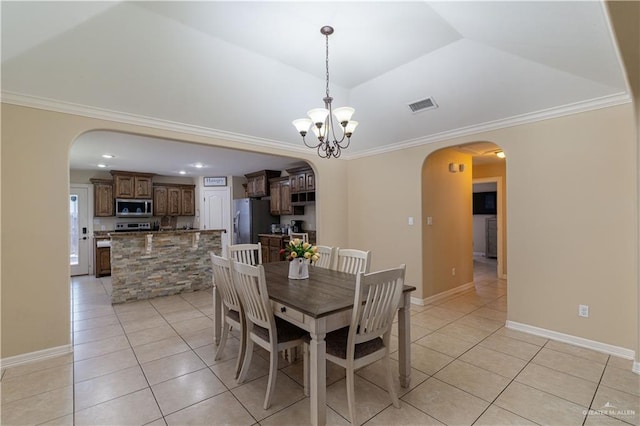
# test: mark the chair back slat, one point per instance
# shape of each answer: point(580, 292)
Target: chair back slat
point(251, 285)
point(251, 254)
point(326, 257)
point(377, 299)
point(353, 261)
point(222, 280)
point(304, 236)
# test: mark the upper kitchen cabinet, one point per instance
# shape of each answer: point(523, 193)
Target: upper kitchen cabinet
point(258, 182)
point(102, 197)
point(302, 181)
point(174, 200)
point(132, 185)
point(280, 196)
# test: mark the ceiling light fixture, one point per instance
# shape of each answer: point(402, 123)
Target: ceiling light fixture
point(108, 156)
point(102, 166)
point(198, 165)
point(182, 172)
point(321, 119)
point(500, 154)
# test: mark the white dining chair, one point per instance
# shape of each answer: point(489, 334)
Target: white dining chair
point(232, 312)
point(304, 236)
point(327, 257)
point(269, 332)
point(353, 261)
point(251, 254)
point(367, 339)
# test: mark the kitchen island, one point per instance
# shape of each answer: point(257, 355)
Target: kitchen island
point(161, 263)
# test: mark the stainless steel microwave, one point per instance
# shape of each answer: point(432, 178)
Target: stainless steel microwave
point(126, 207)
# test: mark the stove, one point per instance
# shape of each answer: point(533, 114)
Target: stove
point(133, 226)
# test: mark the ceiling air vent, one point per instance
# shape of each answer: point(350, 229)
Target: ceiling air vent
point(422, 105)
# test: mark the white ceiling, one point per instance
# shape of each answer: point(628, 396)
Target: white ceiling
point(244, 70)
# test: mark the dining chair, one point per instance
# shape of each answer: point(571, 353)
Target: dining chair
point(327, 255)
point(250, 254)
point(366, 340)
point(304, 236)
point(263, 328)
point(353, 261)
point(232, 312)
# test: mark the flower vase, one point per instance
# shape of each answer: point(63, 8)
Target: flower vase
point(299, 269)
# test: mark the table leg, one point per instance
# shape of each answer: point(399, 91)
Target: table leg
point(217, 316)
point(404, 340)
point(318, 373)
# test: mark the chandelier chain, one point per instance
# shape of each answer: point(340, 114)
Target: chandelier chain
point(327, 61)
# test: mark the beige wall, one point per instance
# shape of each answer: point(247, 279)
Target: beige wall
point(35, 176)
point(447, 243)
point(572, 216)
point(572, 202)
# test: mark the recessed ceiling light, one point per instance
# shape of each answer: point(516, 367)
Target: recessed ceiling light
point(108, 156)
point(102, 166)
point(182, 172)
point(198, 165)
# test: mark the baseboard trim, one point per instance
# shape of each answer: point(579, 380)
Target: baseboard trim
point(14, 361)
point(437, 297)
point(574, 340)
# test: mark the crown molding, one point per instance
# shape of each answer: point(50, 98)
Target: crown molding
point(122, 117)
point(140, 120)
point(546, 114)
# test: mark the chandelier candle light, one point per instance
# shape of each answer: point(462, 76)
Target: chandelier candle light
point(321, 119)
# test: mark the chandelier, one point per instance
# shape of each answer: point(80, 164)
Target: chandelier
point(321, 120)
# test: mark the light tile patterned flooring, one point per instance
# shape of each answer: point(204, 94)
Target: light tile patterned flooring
point(151, 362)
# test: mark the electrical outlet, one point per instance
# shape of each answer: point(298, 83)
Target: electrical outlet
point(583, 311)
point(453, 272)
point(410, 220)
point(429, 220)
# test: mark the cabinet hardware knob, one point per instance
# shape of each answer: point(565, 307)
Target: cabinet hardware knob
point(283, 309)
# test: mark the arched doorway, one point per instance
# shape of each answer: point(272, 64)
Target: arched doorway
point(448, 210)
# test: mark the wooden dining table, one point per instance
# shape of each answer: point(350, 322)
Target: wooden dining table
point(320, 304)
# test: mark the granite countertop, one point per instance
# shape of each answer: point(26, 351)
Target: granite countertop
point(274, 235)
point(176, 231)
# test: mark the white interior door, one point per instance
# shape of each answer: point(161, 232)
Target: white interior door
point(217, 209)
point(80, 248)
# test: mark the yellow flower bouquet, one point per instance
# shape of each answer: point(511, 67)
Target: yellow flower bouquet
point(299, 249)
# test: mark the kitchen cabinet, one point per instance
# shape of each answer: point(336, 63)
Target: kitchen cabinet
point(174, 200)
point(102, 197)
point(271, 244)
point(132, 185)
point(280, 196)
point(302, 183)
point(258, 182)
point(103, 258)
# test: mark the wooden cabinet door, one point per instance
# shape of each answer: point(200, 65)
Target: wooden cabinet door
point(310, 181)
point(160, 201)
point(103, 199)
point(143, 187)
point(188, 202)
point(302, 182)
point(124, 186)
point(285, 198)
point(260, 186)
point(293, 184)
point(174, 201)
point(275, 202)
point(103, 261)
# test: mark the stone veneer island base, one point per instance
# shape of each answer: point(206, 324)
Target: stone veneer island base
point(151, 264)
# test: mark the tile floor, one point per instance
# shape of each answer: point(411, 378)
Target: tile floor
point(152, 363)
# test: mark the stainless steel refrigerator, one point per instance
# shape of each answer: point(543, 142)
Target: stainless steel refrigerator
point(250, 218)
